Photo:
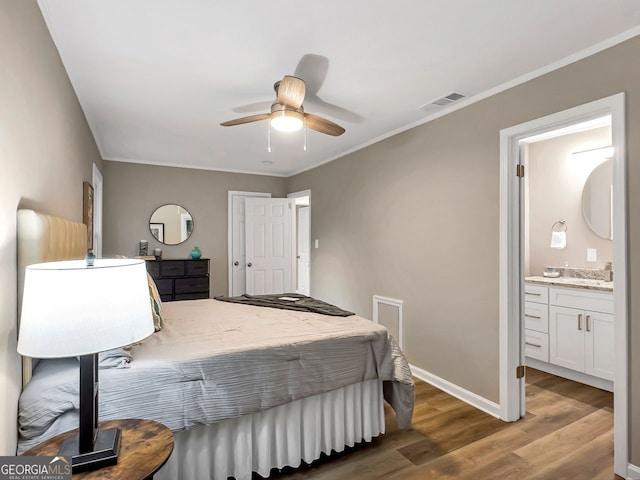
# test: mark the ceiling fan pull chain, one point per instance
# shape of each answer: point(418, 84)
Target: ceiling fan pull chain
point(269, 138)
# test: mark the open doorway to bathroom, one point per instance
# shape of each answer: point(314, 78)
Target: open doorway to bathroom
point(568, 252)
point(538, 318)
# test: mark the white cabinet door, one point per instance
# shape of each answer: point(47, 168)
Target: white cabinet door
point(599, 345)
point(566, 337)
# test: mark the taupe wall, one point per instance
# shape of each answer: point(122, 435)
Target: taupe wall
point(556, 179)
point(133, 191)
point(416, 217)
point(46, 152)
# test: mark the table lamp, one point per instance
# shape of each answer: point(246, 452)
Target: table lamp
point(78, 309)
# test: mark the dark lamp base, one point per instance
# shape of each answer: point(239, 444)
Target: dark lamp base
point(104, 454)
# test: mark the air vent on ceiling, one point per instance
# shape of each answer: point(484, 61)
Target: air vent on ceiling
point(443, 101)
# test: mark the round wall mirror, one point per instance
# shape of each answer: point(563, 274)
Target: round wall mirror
point(596, 200)
point(171, 224)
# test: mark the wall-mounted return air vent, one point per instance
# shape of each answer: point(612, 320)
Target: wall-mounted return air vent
point(443, 101)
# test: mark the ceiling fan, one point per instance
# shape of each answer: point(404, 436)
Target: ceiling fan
point(287, 113)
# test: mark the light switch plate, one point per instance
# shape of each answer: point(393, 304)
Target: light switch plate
point(317, 243)
point(592, 255)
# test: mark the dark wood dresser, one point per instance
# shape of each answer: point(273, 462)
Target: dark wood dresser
point(180, 279)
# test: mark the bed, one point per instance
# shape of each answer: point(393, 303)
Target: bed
point(244, 388)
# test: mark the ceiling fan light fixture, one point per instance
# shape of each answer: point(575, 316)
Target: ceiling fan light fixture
point(287, 113)
point(287, 120)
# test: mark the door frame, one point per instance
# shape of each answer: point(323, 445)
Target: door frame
point(294, 233)
point(96, 179)
point(511, 274)
point(230, 195)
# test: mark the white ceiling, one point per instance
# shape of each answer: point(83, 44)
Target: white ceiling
point(156, 77)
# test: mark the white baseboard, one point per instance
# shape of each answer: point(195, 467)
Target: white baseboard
point(454, 390)
point(633, 472)
point(579, 377)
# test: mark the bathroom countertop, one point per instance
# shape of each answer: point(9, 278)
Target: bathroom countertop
point(586, 283)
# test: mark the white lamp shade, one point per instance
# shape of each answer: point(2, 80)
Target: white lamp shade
point(71, 309)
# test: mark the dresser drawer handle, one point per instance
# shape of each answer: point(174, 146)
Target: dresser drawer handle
point(532, 293)
point(532, 316)
point(533, 344)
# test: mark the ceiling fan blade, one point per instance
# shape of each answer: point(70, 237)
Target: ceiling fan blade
point(249, 119)
point(323, 125)
point(291, 92)
point(253, 107)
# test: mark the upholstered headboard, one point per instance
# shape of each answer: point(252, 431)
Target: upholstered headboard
point(44, 238)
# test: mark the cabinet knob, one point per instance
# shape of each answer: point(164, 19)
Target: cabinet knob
point(249, 264)
point(236, 263)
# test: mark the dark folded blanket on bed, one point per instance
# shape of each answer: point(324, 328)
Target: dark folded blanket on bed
point(289, 301)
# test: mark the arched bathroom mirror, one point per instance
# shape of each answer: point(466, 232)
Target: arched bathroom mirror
point(596, 200)
point(171, 224)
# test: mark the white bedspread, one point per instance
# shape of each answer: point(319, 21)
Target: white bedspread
point(215, 360)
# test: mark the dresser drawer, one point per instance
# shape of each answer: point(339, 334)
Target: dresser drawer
point(191, 285)
point(197, 267)
point(536, 293)
point(153, 268)
point(536, 317)
point(192, 296)
point(536, 345)
point(165, 286)
point(172, 268)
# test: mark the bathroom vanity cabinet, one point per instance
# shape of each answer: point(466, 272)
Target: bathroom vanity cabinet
point(573, 329)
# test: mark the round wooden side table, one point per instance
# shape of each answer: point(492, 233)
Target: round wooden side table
point(144, 448)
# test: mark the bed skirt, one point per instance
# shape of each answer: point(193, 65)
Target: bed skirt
point(282, 436)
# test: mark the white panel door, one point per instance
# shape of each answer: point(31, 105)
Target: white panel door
point(237, 244)
point(304, 250)
point(268, 245)
point(600, 346)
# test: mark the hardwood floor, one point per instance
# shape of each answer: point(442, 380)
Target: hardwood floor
point(566, 434)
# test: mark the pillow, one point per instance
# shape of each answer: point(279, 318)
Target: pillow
point(156, 303)
point(114, 358)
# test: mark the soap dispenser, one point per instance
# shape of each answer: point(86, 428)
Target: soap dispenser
point(608, 272)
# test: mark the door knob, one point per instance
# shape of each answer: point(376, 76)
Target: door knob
point(236, 263)
point(249, 264)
